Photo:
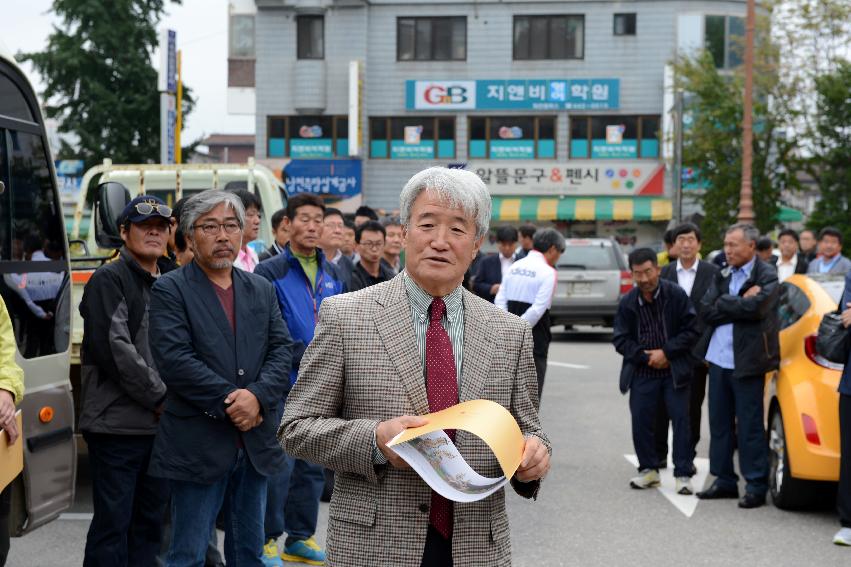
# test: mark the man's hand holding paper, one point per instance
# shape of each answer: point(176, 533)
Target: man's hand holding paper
point(535, 463)
point(389, 429)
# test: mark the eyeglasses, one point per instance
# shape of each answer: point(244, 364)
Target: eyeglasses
point(148, 208)
point(213, 228)
point(372, 245)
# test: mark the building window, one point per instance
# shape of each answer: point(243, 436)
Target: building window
point(512, 137)
point(549, 37)
point(614, 137)
point(724, 39)
point(310, 34)
point(241, 37)
point(412, 138)
point(624, 24)
point(304, 137)
point(431, 39)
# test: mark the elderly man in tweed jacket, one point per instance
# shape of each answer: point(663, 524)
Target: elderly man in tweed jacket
point(398, 350)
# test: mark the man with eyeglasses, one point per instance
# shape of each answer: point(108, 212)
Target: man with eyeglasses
point(303, 278)
point(122, 393)
point(370, 270)
point(221, 348)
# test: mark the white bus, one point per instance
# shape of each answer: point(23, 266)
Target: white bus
point(35, 285)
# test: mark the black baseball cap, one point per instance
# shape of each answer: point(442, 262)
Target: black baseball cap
point(143, 208)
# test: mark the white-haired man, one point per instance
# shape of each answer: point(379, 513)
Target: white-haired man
point(392, 352)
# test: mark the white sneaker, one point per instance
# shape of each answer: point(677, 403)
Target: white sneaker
point(647, 478)
point(684, 486)
point(843, 537)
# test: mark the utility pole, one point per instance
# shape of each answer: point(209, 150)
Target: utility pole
point(178, 153)
point(678, 153)
point(746, 213)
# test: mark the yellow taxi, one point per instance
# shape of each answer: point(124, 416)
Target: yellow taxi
point(801, 398)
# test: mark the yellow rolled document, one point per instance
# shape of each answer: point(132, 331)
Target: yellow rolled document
point(435, 458)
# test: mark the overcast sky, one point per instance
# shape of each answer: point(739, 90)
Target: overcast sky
point(202, 33)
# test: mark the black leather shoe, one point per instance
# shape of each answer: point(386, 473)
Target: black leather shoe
point(752, 500)
point(716, 492)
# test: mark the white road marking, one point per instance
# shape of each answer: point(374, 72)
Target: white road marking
point(76, 516)
point(685, 504)
point(567, 365)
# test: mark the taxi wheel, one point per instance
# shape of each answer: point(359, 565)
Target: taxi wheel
point(787, 493)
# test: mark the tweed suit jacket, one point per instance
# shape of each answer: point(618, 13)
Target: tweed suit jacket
point(363, 367)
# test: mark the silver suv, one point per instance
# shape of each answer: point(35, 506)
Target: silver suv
point(592, 277)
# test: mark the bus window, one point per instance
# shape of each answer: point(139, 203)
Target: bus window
point(34, 268)
point(12, 101)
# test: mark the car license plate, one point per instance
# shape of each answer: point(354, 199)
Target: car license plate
point(579, 288)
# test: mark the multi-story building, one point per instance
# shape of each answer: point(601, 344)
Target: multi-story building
point(564, 108)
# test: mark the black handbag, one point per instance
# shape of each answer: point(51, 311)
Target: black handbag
point(834, 340)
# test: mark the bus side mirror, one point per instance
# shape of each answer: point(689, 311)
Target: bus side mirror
point(112, 198)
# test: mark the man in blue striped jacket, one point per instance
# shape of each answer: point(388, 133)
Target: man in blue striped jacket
point(303, 278)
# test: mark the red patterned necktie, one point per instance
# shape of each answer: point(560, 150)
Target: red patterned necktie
point(442, 389)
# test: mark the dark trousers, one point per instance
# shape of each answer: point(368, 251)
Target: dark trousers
point(292, 501)
point(843, 494)
point(438, 550)
point(128, 503)
point(695, 404)
point(5, 505)
point(736, 409)
point(644, 397)
point(541, 338)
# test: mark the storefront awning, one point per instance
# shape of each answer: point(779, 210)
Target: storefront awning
point(508, 209)
point(788, 214)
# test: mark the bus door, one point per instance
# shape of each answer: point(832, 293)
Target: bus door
point(34, 283)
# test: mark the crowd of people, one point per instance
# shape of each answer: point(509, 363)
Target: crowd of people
point(221, 386)
point(691, 319)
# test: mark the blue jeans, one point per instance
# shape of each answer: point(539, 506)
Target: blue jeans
point(194, 506)
point(646, 393)
point(292, 505)
point(737, 403)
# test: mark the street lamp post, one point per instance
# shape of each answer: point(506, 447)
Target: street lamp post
point(746, 213)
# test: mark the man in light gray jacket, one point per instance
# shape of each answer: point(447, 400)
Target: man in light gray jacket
point(830, 259)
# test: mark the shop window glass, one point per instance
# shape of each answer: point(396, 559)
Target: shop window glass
point(305, 137)
point(412, 138)
point(512, 137)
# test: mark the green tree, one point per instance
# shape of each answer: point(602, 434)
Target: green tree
point(100, 81)
point(830, 165)
point(713, 142)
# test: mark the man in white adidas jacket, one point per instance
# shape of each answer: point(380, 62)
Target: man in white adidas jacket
point(527, 291)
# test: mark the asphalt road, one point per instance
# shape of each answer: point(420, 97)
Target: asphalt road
point(586, 514)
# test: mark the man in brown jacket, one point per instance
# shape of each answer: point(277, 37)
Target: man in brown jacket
point(401, 349)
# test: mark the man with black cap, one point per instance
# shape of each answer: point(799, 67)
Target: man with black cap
point(122, 393)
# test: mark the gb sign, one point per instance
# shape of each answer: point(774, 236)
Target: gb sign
point(441, 95)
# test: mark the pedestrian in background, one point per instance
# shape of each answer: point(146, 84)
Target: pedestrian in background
point(527, 291)
point(741, 344)
point(303, 278)
point(843, 493)
point(809, 245)
point(493, 268)
point(527, 242)
point(790, 261)
point(669, 254)
point(830, 259)
point(654, 332)
point(332, 241)
point(11, 393)
point(364, 214)
point(280, 234)
point(247, 258)
point(224, 353)
point(694, 276)
point(393, 244)
point(400, 349)
point(765, 249)
point(370, 269)
point(349, 244)
point(122, 393)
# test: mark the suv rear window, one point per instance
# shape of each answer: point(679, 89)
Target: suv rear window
point(792, 305)
point(588, 257)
